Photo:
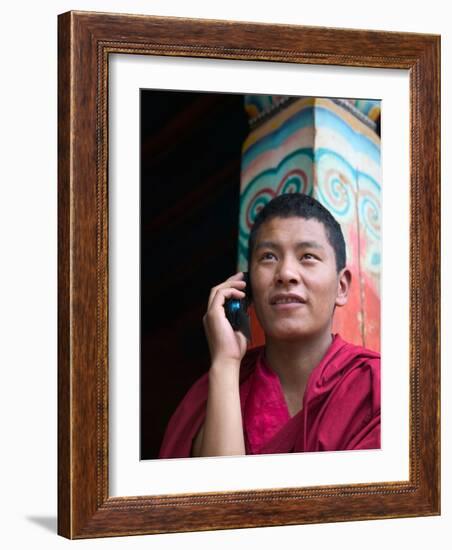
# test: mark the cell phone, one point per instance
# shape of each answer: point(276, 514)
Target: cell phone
point(237, 310)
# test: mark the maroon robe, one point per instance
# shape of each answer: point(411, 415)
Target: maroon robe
point(340, 409)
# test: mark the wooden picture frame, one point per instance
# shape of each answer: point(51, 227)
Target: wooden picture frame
point(85, 42)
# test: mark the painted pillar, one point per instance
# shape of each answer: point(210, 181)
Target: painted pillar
point(328, 149)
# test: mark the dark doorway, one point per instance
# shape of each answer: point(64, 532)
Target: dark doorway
point(190, 187)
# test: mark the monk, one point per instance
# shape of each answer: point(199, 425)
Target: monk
point(306, 389)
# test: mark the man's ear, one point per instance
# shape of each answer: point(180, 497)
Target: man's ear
point(343, 286)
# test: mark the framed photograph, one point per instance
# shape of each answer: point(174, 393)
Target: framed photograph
point(174, 135)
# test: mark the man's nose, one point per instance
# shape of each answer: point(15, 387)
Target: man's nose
point(288, 272)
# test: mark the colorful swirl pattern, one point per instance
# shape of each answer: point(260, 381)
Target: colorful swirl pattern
point(369, 215)
point(336, 184)
point(292, 175)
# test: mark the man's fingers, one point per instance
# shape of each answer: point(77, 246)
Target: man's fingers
point(232, 282)
point(222, 294)
point(236, 277)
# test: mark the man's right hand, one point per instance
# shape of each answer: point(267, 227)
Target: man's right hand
point(225, 344)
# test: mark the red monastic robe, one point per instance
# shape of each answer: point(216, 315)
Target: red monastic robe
point(340, 409)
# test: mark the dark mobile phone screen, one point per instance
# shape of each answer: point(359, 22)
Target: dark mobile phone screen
point(237, 311)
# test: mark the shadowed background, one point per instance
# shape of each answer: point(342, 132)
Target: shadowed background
point(190, 190)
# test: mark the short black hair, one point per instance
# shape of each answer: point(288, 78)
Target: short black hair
point(301, 206)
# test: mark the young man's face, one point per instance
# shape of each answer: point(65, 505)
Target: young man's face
point(294, 278)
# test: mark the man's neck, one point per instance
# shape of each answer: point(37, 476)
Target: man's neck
point(294, 361)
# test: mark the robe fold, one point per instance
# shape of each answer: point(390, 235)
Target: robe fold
point(340, 407)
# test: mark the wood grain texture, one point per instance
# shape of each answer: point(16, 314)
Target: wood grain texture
point(85, 42)
point(64, 295)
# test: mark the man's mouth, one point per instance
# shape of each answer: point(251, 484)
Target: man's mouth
point(282, 299)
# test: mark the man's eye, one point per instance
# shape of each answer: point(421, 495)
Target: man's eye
point(268, 256)
point(308, 257)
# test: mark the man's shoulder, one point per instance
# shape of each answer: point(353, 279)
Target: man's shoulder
point(344, 358)
point(355, 352)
